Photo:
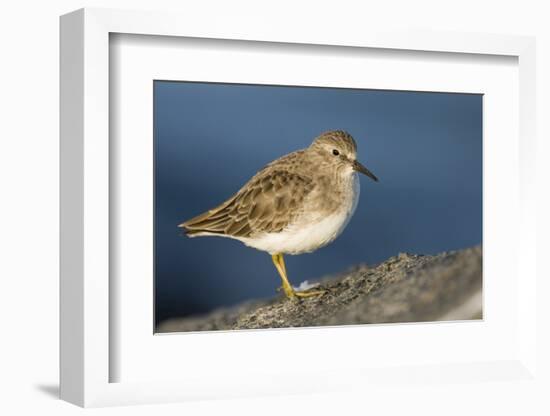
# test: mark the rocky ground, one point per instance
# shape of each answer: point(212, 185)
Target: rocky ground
point(404, 288)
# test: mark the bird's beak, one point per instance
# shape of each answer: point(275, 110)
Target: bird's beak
point(358, 167)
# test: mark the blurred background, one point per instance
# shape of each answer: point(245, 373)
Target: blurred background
point(426, 149)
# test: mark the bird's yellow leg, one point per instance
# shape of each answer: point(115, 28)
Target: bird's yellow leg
point(280, 265)
point(279, 262)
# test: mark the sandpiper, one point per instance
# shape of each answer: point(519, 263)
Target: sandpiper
point(296, 204)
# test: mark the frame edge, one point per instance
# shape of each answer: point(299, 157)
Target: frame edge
point(71, 231)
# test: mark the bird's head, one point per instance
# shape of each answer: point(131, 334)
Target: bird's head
point(339, 149)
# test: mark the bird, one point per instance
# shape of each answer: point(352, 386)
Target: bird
point(296, 204)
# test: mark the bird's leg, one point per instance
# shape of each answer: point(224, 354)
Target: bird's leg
point(280, 265)
point(279, 262)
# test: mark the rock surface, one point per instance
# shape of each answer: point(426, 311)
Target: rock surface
point(404, 288)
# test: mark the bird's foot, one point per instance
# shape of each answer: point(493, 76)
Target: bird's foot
point(289, 291)
point(294, 294)
point(309, 293)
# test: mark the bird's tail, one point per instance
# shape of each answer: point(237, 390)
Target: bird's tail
point(211, 222)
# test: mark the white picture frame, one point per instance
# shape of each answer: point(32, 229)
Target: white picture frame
point(87, 355)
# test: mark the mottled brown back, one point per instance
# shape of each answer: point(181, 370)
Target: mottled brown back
point(267, 203)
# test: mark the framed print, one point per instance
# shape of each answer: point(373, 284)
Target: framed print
point(414, 210)
point(171, 131)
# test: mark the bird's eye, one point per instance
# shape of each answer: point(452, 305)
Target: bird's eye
point(335, 152)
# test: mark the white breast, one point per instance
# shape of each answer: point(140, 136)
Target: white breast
point(309, 232)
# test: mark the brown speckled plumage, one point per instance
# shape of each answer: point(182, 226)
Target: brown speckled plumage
point(268, 202)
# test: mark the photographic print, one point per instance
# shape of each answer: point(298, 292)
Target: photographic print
point(290, 206)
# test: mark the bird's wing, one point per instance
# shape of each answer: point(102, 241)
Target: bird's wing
point(266, 204)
